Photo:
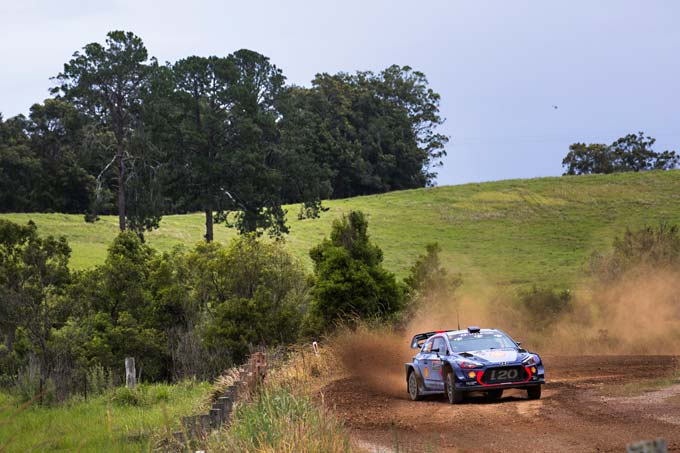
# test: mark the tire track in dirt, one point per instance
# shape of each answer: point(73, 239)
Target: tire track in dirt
point(574, 413)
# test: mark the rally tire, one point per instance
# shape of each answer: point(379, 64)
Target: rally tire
point(454, 396)
point(413, 390)
point(534, 393)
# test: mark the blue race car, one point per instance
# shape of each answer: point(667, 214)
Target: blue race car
point(474, 360)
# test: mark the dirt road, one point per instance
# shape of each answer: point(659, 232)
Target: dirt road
point(589, 404)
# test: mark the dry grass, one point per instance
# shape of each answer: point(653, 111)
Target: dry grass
point(640, 387)
point(287, 415)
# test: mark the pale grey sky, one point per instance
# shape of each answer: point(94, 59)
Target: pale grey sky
point(612, 67)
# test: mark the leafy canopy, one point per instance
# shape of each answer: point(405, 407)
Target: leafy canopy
point(629, 153)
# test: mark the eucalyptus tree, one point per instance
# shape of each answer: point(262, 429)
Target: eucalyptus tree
point(106, 83)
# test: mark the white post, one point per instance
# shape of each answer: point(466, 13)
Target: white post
point(130, 373)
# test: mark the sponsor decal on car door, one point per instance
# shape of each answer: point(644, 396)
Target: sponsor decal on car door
point(435, 377)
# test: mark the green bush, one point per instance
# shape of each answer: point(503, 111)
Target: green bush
point(542, 306)
point(255, 294)
point(349, 280)
point(646, 249)
point(144, 395)
point(99, 379)
point(124, 396)
point(428, 280)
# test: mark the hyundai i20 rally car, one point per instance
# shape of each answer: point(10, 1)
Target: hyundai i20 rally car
point(455, 362)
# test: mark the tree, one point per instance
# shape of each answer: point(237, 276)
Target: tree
point(204, 105)
point(428, 281)
point(629, 153)
point(114, 314)
point(18, 166)
point(33, 275)
point(585, 159)
point(255, 155)
point(413, 110)
point(349, 280)
point(374, 132)
point(63, 185)
point(256, 296)
point(151, 165)
point(634, 153)
point(106, 82)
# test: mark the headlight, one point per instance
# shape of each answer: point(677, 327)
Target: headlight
point(533, 359)
point(469, 364)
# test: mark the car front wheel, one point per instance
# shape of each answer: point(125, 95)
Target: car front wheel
point(454, 396)
point(534, 393)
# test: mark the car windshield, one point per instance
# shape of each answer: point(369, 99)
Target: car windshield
point(462, 342)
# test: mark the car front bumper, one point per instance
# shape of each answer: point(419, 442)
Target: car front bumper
point(474, 379)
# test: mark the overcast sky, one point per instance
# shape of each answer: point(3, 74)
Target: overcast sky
point(610, 67)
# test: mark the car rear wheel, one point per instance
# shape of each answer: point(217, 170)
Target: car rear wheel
point(454, 396)
point(495, 394)
point(534, 393)
point(413, 390)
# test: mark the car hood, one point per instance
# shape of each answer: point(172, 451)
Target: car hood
point(495, 355)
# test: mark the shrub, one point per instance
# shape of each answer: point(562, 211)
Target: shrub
point(648, 248)
point(99, 379)
point(124, 396)
point(428, 280)
point(28, 384)
point(255, 293)
point(542, 306)
point(349, 280)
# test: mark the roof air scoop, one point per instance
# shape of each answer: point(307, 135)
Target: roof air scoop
point(473, 329)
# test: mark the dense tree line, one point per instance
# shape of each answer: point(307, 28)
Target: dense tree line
point(183, 313)
point(629, 153)
point(225, 136)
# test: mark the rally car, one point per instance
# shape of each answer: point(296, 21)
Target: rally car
point(455, 362)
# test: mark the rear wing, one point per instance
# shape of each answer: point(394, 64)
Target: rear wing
point(418, 339)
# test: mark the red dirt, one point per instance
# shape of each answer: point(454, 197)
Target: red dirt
point(574, 413)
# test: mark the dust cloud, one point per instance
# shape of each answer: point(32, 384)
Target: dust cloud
point(638, 314)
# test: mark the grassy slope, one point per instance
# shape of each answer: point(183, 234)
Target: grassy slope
point(509, 232)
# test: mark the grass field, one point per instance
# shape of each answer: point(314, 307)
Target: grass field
point(510, 232)
point(100, 423)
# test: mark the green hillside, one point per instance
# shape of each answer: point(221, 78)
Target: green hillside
point(507, 232)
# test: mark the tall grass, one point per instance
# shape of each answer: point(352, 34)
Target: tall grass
point(286, 415)
point(280, 420)
point(117, 420)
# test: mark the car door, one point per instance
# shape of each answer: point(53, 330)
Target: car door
point(435, 379)
point(424, 361)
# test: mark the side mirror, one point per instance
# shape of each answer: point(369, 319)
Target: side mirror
point(518, 343)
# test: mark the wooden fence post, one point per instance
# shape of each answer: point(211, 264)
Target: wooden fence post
point(130, 373)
